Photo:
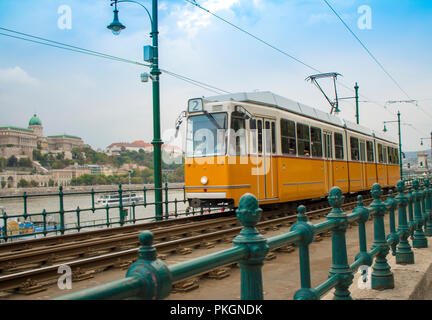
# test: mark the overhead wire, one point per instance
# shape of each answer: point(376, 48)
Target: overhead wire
point(64, 46)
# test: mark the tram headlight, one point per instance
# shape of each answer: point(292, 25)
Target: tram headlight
point(204, 180)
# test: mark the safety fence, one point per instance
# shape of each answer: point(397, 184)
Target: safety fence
point(151, 278)
point(106, 208)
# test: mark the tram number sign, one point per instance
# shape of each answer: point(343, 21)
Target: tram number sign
point(195, 105)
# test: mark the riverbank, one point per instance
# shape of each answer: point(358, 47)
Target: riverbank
point(51, 190)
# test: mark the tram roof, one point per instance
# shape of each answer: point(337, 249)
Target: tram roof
point(268, 98)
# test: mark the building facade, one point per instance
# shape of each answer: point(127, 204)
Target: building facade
point(20, 142)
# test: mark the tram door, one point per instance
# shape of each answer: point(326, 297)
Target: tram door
point(266, 165)
point(364, 179)
point(328, 157)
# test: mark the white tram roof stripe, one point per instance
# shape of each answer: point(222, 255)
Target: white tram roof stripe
point(270, 99)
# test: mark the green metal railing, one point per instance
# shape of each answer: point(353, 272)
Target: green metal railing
point(114, 215)
point(151, 278)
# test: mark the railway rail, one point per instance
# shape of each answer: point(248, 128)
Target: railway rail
point(32, 270)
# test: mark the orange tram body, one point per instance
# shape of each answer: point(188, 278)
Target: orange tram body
point(279, 150)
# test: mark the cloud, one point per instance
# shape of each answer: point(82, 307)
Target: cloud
point(193, 19)
point(17, 76)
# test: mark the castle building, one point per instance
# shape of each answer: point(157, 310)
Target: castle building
point(19, 142)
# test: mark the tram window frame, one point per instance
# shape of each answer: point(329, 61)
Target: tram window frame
point(303, 142)
point(354, 149)
point(370, 151)
point(288, 140)
point(397, 156)
point(339, 146)
point(253, 133)
point(390, 155)
point(237, 150)
point(316, 145)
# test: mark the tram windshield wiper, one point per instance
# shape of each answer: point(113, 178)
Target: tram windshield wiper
point(212, 119)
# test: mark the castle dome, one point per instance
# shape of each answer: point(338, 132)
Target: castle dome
point(35, 121)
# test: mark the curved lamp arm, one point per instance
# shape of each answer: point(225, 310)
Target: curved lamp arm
point(114, 1)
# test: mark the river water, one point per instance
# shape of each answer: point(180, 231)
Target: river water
point(35, 205)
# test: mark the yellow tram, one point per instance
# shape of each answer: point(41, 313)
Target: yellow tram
point(279, 150)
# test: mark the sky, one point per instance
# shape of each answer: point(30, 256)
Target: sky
point(103, 101)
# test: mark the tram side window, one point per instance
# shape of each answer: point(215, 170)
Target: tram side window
point(380, 153)
point(397, 156)
point(370, 151)
point(273, 134)
point(339, 149)
point(385, 155)
point(316, 139)
point(303, 140)
point(391, 155)
point(238, 141)
point(288, 137)
point(260, 136)
point(355, 156)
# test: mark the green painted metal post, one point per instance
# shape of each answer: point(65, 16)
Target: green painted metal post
point(78, 210)
point(5, 226)
point(154, 272)
point(61, 211)
point(400, 146)
point(411, 224)
point(157, 142)
point(382, 276)
point(340, 266)
point(404, 254)
point(428, 228)
point(419, 240)
point(306, 292)
point(107, 215)
point(356, 88)
point(92, 192)
point(44, 222)
point(363, 214)
point(25, 205)
point(249, 214)
point(391, 204)
point(166, 201)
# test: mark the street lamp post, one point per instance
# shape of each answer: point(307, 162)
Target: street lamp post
point(431, 146)
point(400, 141)
point(116, 27)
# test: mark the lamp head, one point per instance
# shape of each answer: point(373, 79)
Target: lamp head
point(385, 128)
point(116, 26)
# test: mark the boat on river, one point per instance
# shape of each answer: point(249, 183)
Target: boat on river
point(113, 199)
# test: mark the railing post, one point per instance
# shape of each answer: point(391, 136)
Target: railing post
point(25, 215)
point(307, 231)
point(78, 210)
point(5, 226)
point(404, 254)
point(61, 211)
point(391, 205)
point(419, 241)
point(340, 266)
point(363, 214)
point(382, 276)
point(249, 214)
point(411, 224)
point(154, 272)
point(428, 228)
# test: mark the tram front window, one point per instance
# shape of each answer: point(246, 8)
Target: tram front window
point(206, 135)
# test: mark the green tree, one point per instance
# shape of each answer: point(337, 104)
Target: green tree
point(25, 162)
point(23, 184)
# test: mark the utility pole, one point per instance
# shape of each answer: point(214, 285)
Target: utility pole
point(356, 88)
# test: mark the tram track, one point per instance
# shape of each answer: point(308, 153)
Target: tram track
point(32, 270)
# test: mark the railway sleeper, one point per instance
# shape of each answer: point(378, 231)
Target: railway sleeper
point(186, 285)
point(207, 244)
point(79, 275)
point(31, 286)
point(219, 273)
point(287, 249)
point(183, 250)
point(270, 256)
